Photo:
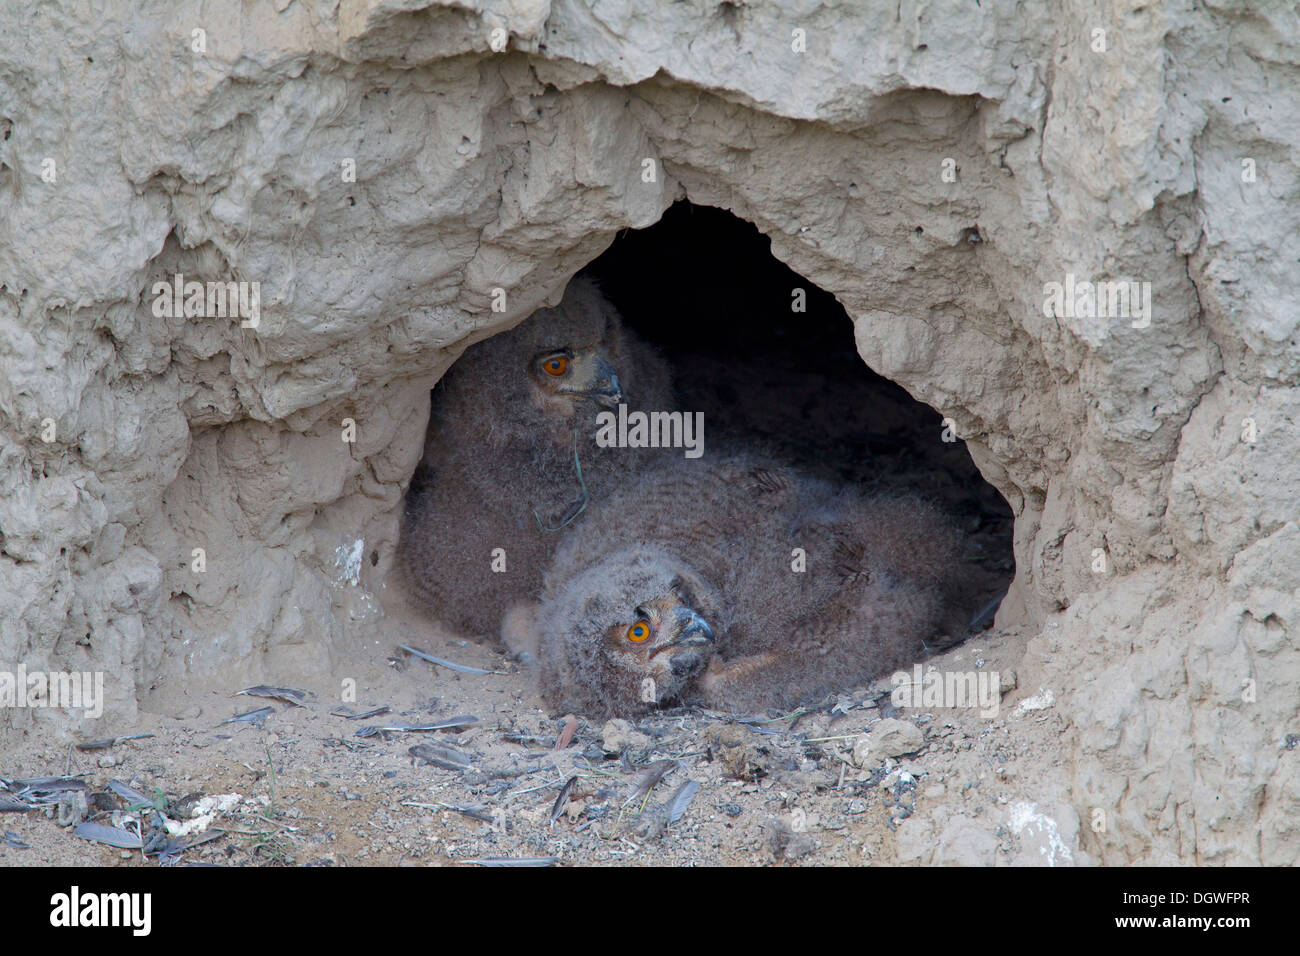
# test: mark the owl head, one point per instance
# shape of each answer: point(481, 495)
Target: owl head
point(526, 392)
point(572, 352)
point(624, 635)
point(562, 361)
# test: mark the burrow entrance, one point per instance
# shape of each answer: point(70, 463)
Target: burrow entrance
point(771, 362)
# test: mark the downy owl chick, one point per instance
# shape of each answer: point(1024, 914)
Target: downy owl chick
point(511, 461)
point(740, 586)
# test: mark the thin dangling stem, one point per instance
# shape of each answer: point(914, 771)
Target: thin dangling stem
point(577, 507)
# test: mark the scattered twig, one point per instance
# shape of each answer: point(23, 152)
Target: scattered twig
point(271, 763)
point(464, 811)
point(107, 742)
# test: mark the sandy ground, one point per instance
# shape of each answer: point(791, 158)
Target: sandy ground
point(683, 787)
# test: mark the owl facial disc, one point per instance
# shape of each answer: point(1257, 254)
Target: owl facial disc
point(577, 374)
point(680, 640)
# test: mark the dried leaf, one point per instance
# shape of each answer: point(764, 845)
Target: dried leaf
point(566, 735)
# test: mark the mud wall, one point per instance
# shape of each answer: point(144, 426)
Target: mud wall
point(381, 169)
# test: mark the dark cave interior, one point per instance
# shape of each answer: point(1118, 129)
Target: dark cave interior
point(704, 287)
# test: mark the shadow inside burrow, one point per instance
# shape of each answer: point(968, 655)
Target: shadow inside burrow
point(703, 286)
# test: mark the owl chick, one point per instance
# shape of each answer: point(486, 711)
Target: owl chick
point(740, 586)
point(510, 461)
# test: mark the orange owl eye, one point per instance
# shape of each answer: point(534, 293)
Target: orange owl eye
point(557, 365)
point(639, 632)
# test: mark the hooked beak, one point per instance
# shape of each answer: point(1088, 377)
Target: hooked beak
point(689, 629)
point(606, 389)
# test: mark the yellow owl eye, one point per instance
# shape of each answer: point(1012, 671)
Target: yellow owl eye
point(556, 366)
point(639, 632)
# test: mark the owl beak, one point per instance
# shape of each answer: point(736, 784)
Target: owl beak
point(606, 389)
point(693, 630)
point(689, 630)
point(594, 379)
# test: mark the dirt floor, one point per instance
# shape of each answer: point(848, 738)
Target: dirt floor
point(683, 787)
